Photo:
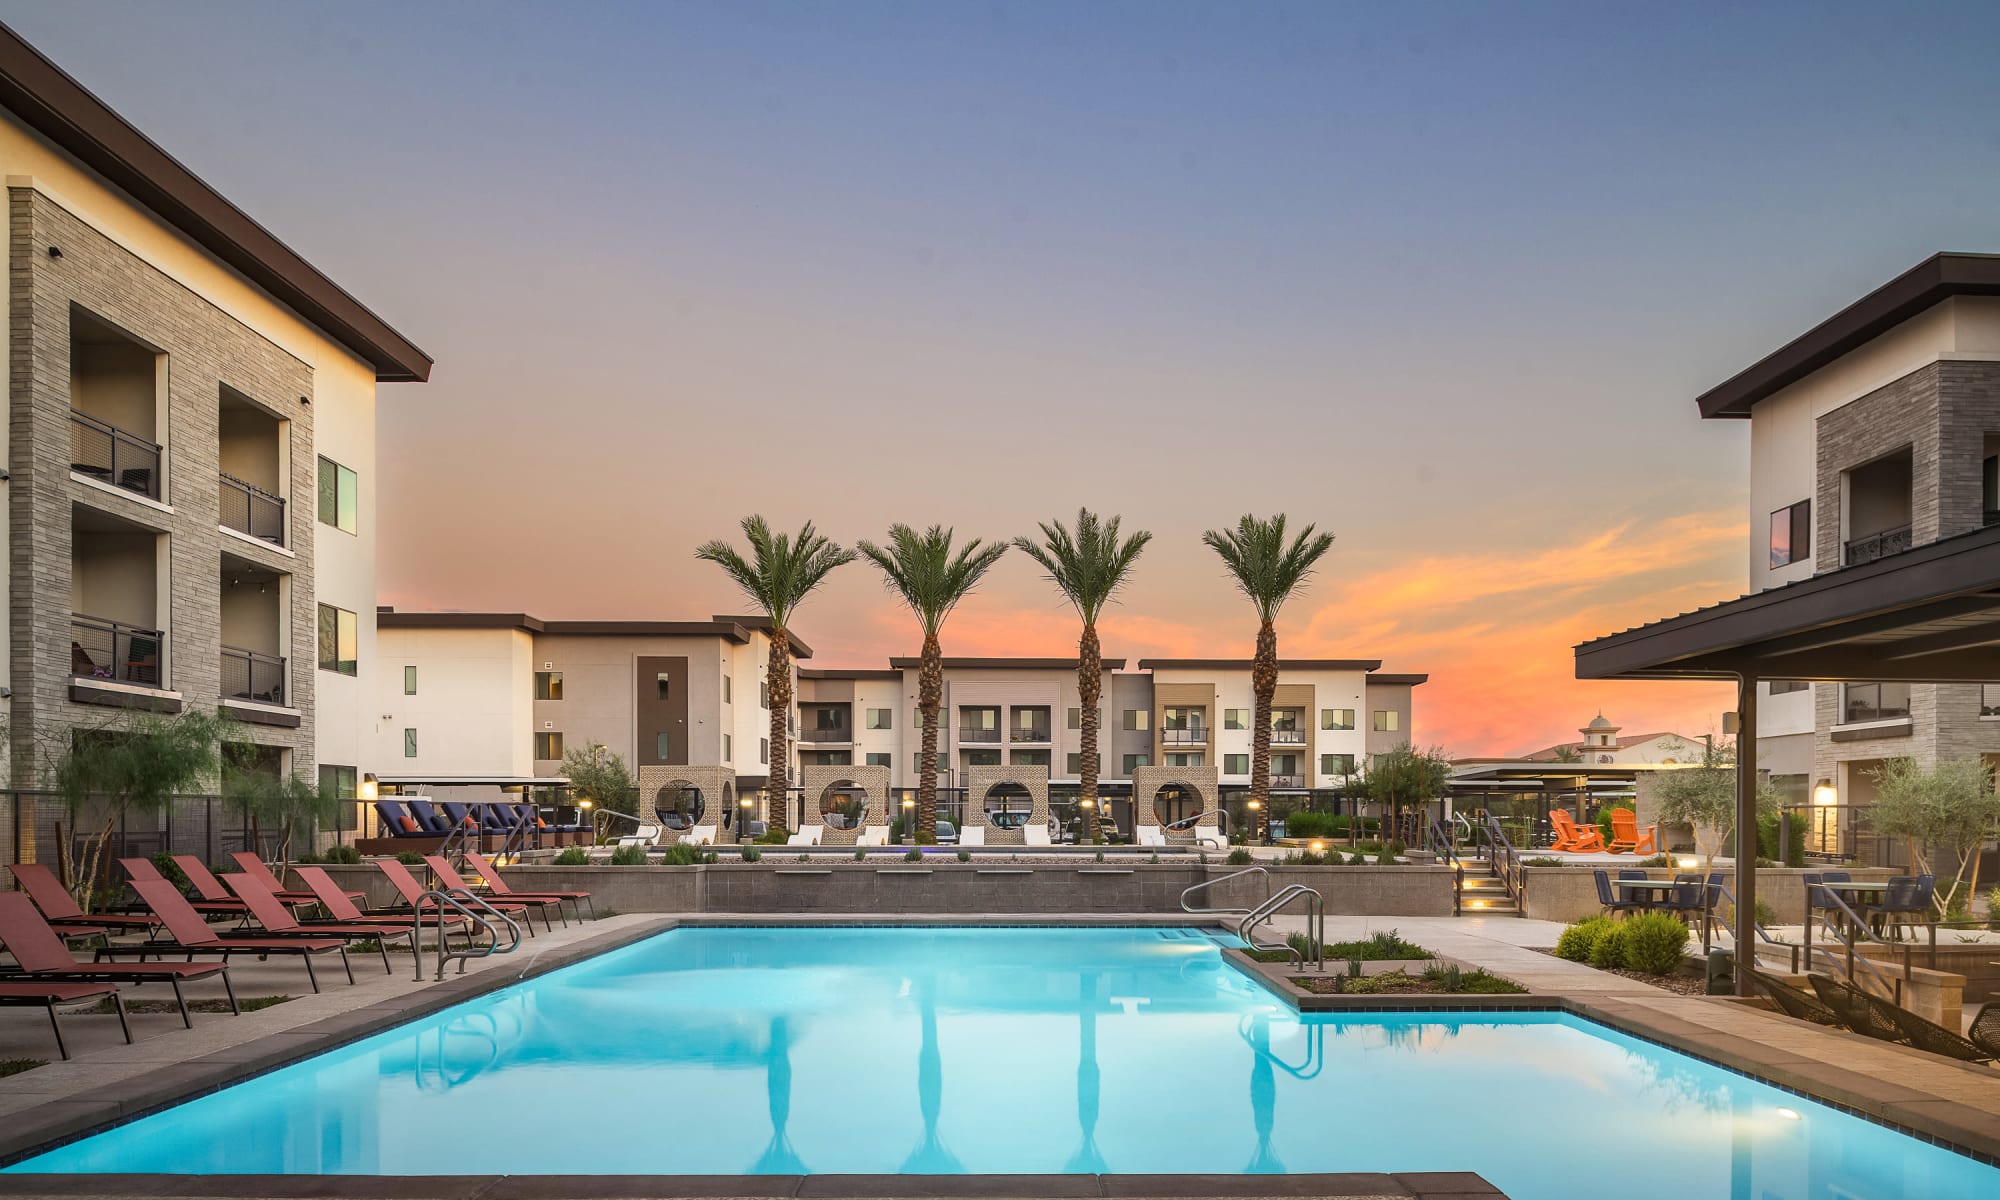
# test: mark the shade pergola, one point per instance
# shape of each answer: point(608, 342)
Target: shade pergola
point(1927, 615)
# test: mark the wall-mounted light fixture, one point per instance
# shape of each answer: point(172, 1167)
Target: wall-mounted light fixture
point(370, 786)
point(1825, 793)
point(55, 251)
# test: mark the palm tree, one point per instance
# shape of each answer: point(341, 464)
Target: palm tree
point(1088, 566)
point(779, 574)
point(921, 568)
point(1268, 570)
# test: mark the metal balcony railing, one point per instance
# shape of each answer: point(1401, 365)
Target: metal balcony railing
point(103, 649)
point(103, 451)
point(247, 508)
point(1288, 737)
point(966, 734)
point(1288, 781)
point(826, 735)
point(248, 675)
point(1875, 545)
point(1031, 733)
point(1193, 735)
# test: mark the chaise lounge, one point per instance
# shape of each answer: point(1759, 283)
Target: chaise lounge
point(40, 957)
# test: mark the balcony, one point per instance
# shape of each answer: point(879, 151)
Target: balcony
point(247, 508)
point(249, 675)
point(1875, 545)
point(840, 736)
point(1288, 781)
point(1194, 735)
point(112, 455)
point(966, 734)
point(1028, 733)
point(1288, 737)
point(113, 650)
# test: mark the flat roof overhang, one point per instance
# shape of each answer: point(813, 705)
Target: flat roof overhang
point(503, 781)
point(1927, 615)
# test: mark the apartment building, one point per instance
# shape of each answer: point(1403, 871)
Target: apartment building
point(190, 450)
point(507, 695)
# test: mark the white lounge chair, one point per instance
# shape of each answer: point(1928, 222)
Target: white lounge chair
point(809, 836)
point(1151, 835)
point(972, 835)
point(702, 835)
point(873, 835)
point(1034, 835)
point(646, 834)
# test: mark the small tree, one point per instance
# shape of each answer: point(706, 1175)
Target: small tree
point(280, 801)
point(1704, 797)
point(131, 764)
point(1407, 775)
point(1953, 806)
point(596, 773)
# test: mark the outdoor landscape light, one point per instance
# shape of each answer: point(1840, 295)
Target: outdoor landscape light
point(1688, 862)
point(370, 787)
point(584, 803)
point(1086, 803)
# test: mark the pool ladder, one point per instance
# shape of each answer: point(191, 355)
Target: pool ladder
point(457, 899)
point(1250, 918)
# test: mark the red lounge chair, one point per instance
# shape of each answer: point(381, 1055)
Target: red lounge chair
point(538, 901)
point(412, 893)
point(42, 957)
point(341, 911)
point(498, 886)
point(142, 870)
point(48, 995)
point(191, 935)
point(209, 887)
point(278, 921)
point(61, 910)
point(254, 867)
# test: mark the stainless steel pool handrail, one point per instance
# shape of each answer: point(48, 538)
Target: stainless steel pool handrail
point(1188, 893)
point(1315, 924)
point(451, 896)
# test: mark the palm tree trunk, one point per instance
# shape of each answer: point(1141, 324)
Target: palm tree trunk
point(1264, 684)
point(1089, 689)
point(930, 694)
point(778, 688)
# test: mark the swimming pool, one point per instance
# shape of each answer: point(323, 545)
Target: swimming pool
point(945, 1050)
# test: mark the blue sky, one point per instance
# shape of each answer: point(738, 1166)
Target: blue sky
point(1443, 278)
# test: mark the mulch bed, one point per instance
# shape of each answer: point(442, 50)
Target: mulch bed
point(1691, 981)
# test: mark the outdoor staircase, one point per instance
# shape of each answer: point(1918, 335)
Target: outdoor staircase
point(1485, 895)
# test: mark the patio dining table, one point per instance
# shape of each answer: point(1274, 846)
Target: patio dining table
point(1857, 893)
point(1648, 892)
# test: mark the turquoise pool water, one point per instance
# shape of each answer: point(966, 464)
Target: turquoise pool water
point(757, 1051)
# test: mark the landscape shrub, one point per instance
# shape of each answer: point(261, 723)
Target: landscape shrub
point(1382, 944)
point(1386, 859)
point(1654, 942)
point(572, 856)
point(1993, 909)
point(750, 854)
point(859, 855)
point(346, 856)
point(629, 856)
point(1658, 860)
point(687, 854)
point(1542, 861)
point(1305, 945)
point(1243, 858)
point(1608, 951)
point(772, 837)
point(1577, 941)
point(1308, 824)
point(172, 870)
point(965, 856)
point(913, 855)
point(1309, 858)
point(409, 858)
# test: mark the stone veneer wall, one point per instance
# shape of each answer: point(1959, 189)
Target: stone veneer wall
point(717, 784)
point(814, 780)
point(206, 349)
point(1147, 781)
point(981, 780)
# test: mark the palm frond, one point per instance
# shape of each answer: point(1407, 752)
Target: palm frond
point(781, 570)
point(923, 569)
point(1265, 567)
point(1089, 565)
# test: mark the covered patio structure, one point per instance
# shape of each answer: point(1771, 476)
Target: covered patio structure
point(1926, 615)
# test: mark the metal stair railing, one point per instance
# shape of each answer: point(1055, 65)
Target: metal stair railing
point(455, 899)
point(1504, 860)
point(1188, 893)
point(1794, 950)
point(1315, 924)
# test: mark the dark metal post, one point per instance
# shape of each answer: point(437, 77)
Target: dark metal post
point(1785, 836)
point(1746, 830)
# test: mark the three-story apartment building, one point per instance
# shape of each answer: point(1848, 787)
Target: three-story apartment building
point(190, 450)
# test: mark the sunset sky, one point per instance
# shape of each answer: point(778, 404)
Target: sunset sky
point(1442, 279)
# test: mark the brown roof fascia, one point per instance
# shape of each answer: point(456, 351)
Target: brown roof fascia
point(1930, 282)
point(1244, 664)
point(725, 629)
point(50, 102)
point(1398, 680)
point(849, 673)
point(1005, 664)
point(391, 619)
point(763, 625)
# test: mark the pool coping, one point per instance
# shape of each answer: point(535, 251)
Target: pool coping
point(1927, 1117)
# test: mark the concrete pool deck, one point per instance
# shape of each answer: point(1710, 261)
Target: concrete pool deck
point(107, 1082)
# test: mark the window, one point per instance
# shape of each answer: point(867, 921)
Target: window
point(1139, 719)
point(1235, 764)
point(662, 744)
point(409, 681)
point(728, 750)
point(1791, 534)
point(1236, 718)
point(877, 760)
point(1336, 718)
point(1785, 687)
point(833, 719)
point(1073, 718)
point(548, 685)
point(982, 758)
point(917, 762)
point(1284, 764)
point(548, 746)
point(1874, 701)
point(340, 782)
point(1336, 764)
point(764, 750)
point(1182, 718)
point(339, 491)
point(1185, 760)
point(339, 638)
point(1286, 719)
point(409, 743)
point(881, 718)
point(827, 758)
point(1031, 758)
point(726, 699)
point(1137, 760)
point(666, 685)
point(1075, 764)
point(1989, 700)
point(1387, 720)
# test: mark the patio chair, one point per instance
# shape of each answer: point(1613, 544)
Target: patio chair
point(1572, 838)
point(412, 892)
point(1795, 1002)
point(188, 934)
point(1931, 1037)
point(397, 822)
point(254, 867)
point(341, 909)
point(537, 901)
point(278, 922)
point(428, 816)
point(142, 870)
point(61, 910)
point(1627, 837)
point(40, 957)
point(1852, 1006)
point(1901, 904)
point(1606, 898)
point(1984, 1031)
point(1686, 901)
point(498, 887)
point(48, 995)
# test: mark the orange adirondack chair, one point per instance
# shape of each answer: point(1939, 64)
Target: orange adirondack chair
point(1572, 838)
point(1627, 836)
